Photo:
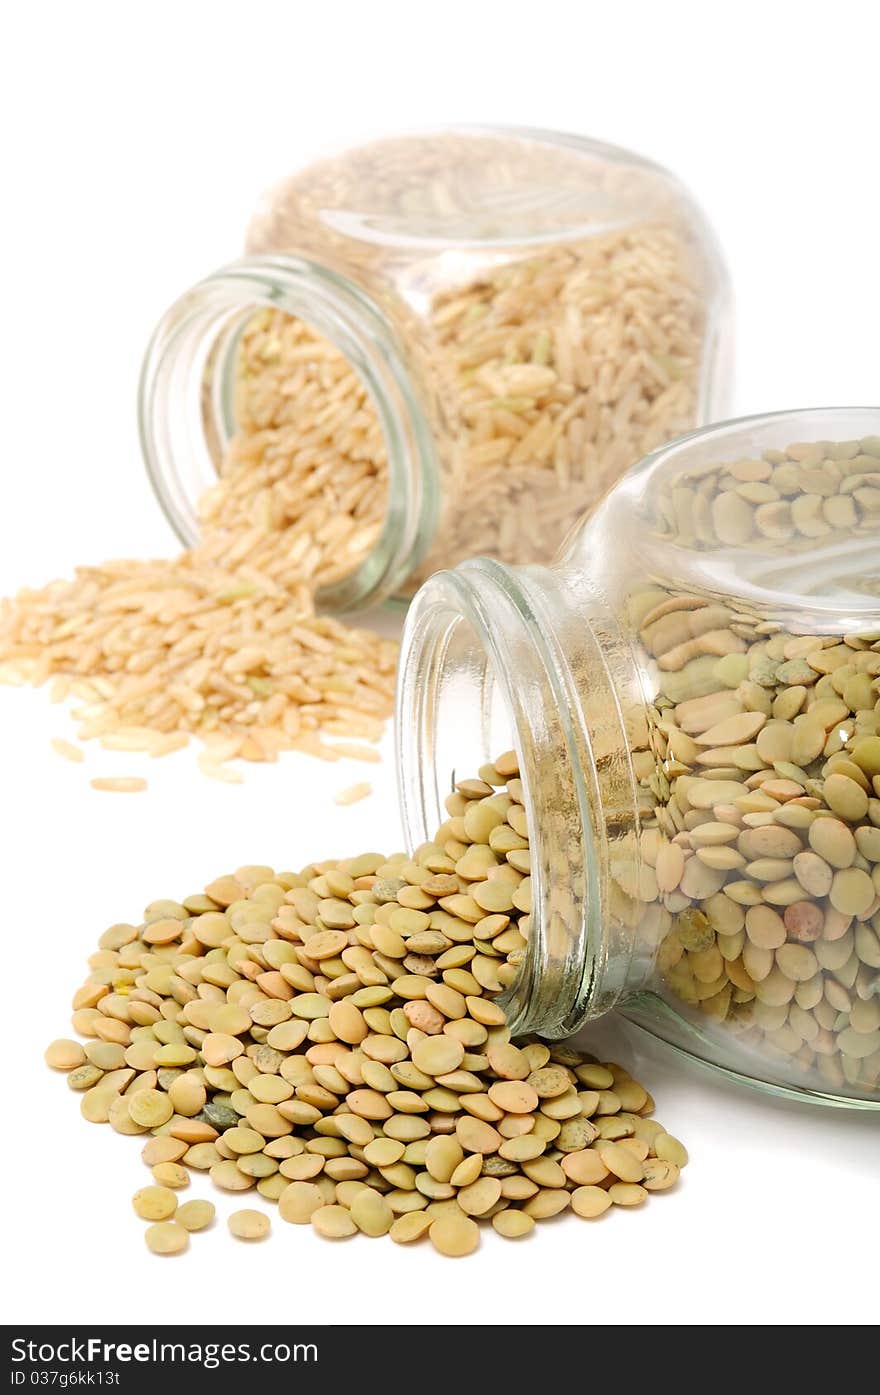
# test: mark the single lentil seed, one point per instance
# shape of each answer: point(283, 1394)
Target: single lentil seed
point(195, 1215)
point(333, 1222)
point(167, 1238)
point(170, 1174)
point(249, 1225)
point(513, 1224)
point(454, 1235)
point(154, 1203)
point(589, 1202)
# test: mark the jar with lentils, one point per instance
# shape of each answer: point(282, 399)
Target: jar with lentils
point(439, 345)
point(691, 693)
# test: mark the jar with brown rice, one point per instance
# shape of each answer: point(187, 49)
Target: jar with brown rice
point(692, 692)
point(439, 345)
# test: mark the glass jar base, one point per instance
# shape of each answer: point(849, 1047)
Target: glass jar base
point(651, 1015)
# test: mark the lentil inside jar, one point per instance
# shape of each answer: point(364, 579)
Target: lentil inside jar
point(693, 693)
point(760, 775)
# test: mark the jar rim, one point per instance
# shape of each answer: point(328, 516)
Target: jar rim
point(756, 419)
point(720, 431)
point(171, 400)
point(508, 676)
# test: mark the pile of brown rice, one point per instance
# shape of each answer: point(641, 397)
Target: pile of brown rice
point(223, 642)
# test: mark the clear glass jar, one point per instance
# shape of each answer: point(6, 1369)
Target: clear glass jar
point(528, 312)
point(693, 693)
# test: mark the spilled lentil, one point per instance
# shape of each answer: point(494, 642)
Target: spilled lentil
point(331, 1039)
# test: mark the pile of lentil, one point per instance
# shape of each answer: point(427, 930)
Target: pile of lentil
point(760, 773)
point(331, 1038)
point(223, 642)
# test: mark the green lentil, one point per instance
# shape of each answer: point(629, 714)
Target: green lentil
point(333, 1222)
point(513, 1224)
point(154, 1203)
point(410, 1226)
point(167, 1238)
point(589, 1202)
point(249, 1225)
point(65, 1055)
point(382, 1094)
point(150, 1108)
point(195, 1215)
point(371, 1212)
point(170, 1174)
point(454, 1236)
point(757, 769)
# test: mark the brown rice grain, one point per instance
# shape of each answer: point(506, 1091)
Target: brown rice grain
point(67, 750)
point(120, 784)
point(354, 793)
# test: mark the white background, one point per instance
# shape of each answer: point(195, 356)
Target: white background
point(137, 136)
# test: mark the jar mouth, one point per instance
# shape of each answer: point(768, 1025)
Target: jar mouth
point(477, 677)
point(187, 416)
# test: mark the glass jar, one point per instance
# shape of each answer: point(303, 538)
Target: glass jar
point(693, 693)
point(524, 313)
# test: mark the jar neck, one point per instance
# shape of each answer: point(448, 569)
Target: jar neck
point(495, 657)
point(186, 403)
